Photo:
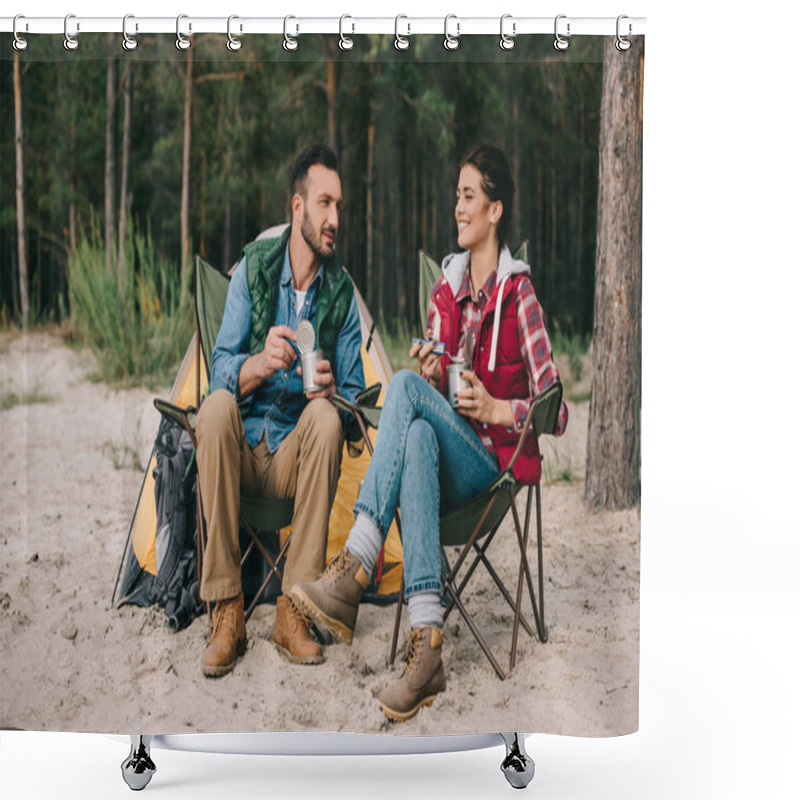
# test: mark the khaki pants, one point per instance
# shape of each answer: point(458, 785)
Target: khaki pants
point(305, 466)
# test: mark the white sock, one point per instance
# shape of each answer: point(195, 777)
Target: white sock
point(365, 541)
point(425, 608)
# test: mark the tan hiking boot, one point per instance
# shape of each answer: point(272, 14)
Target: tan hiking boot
point(332, 600)
point(422, 678)
point(228, 638)
point(291, 634)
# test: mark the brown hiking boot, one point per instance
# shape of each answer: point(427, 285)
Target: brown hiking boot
point(228, 639)
point(422, 678)
point(332, 600)
point(291, 635)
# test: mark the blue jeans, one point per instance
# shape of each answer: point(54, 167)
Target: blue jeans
point(428, 460)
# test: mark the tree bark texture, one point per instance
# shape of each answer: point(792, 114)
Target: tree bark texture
point(613, 451)
point(334, 127)
point(123, 192)
point(111, 97)
point(22, 232)
point(187, 145)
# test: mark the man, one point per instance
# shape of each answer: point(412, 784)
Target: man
point(256, 431)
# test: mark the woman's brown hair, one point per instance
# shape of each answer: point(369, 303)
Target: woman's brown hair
point(496, 180)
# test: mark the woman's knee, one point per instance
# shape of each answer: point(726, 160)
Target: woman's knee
point(403, 387)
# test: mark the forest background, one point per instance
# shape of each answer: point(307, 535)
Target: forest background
point(137, 162)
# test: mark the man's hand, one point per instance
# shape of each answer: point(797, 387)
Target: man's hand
point(323, 376)
point(278, 353)
point(430, 365)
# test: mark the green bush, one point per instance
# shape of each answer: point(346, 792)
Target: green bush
point(138, 322)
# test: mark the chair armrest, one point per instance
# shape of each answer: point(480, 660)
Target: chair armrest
point(541, 418)
point(185, 417)
point(365, 415)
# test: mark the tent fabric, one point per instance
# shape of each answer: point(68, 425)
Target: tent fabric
point(139, 559)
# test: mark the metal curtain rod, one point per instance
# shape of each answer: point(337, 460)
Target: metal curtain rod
point(74, 25)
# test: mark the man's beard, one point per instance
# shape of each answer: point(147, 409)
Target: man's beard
point(314, 240)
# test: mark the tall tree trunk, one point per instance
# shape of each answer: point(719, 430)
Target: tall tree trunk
point(203, 183)
point(370, 281)
point(334, 137)
point(613, 449)
point(187, 144)
point(226, 240)
point(579, 247)
point(111, 97)
point(22, 231)
point(123, 191)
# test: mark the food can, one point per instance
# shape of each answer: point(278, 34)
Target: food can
point(308, 366)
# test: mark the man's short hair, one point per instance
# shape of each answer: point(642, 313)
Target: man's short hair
point(315, 154)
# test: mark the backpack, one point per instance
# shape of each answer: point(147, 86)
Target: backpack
point(175, 586)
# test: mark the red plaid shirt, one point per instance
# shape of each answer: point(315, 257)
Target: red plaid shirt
point(534, 342)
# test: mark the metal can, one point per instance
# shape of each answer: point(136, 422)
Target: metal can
point(455, 381)
point(308, 366)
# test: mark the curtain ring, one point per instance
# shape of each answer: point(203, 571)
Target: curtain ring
point(622, 43)
point(234, 44)
point(70, 42)
point(19, 43)
point(288, 42)
point(451, 42)
point(561, 43)
point(182, 43)
point(401, 42)
point(507, 42)
point(345, 42)
point(128, 42)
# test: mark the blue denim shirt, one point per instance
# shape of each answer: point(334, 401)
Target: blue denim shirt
point(273, 409)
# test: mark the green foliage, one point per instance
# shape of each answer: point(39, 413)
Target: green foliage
point(36, 395)
point(138, 322)
point(557, 468)
point(397, 342)
point(572, 347)
point(403, 121)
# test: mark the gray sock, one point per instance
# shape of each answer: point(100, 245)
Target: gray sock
point(424, 608)
point(365, 541)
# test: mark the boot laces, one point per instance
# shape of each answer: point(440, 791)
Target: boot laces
point(338, 568)
point(297, 617)
point(414, 650)
point(224, 618)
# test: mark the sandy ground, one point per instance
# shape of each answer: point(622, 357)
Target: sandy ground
point(69, 477)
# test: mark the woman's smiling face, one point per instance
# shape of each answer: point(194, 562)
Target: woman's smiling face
point(476, 215)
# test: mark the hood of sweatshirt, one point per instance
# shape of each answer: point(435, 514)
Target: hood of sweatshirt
point(454, 268)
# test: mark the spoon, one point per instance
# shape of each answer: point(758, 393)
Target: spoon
point(469, 347)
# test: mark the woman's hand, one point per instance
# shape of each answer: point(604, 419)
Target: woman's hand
point(430, 365)
point(477, 403)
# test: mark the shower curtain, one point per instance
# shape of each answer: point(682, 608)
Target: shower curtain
point(118, 165)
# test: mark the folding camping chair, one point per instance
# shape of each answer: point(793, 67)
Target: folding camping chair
point(476, 525)
point(257, 514)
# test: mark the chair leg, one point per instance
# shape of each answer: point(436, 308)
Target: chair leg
point(397, 615)
point(543, 633)
point(201, 548)
point(477, 634)
point(538, 607)
point(274, 570)
point(482, 558)
point(523, 557)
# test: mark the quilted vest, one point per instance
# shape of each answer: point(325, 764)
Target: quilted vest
point(508, 380)
point(335, 294)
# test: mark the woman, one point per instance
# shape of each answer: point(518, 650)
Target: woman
point(431, 458)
